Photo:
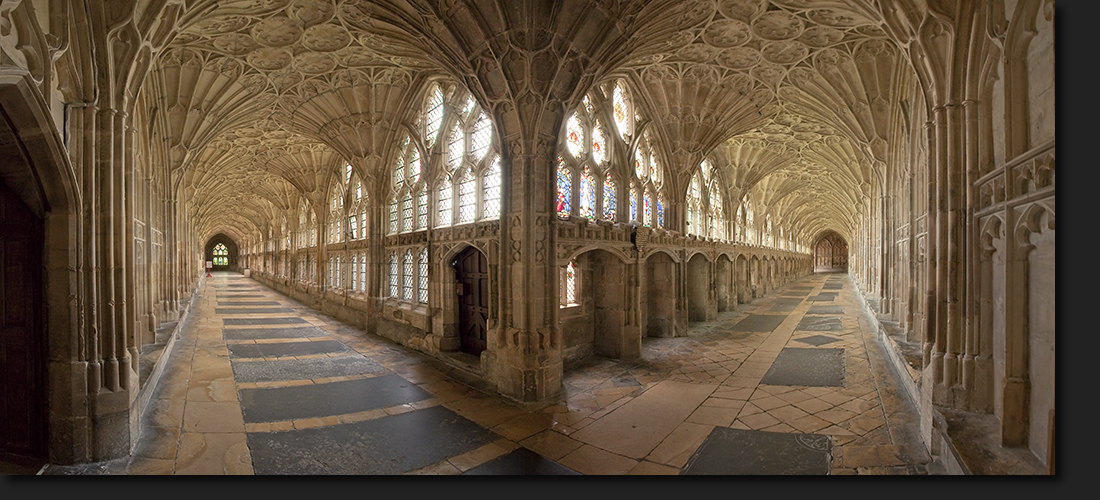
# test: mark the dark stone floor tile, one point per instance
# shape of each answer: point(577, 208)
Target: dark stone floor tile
point(335, 398)
point(817, 340)
point(819, 324)
point(807, 366)
point(272, 333)
point(285, 349)
point(386, 446)
point(303, 369)
point(252, 310)
point(262, 321)
point(759, 323)
point(825, 310)
point(521, 462)
point(745, 452)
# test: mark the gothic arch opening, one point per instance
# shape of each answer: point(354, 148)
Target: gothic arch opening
point(222, 252)
point(659, 296)
point(831, 254)
point(698, 286)
point(723, 283)
point(472, 287)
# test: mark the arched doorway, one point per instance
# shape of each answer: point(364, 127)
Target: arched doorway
point(472, 279)
point(831, 254)
point(222, 252)
point(660, 296)
point(22, 350)
point(698, 286)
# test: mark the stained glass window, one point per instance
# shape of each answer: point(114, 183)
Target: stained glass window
point(609, 197)
point(599, 146)
point(633, 202)
point(422, 286)
point(647, 212)
point(491, 183)
point(221, 255)
point(660, 211)
point(467, 198)
point(408, 276)
point(574, 136)
point(587, 205)
point(622, 111)
point(565, 189)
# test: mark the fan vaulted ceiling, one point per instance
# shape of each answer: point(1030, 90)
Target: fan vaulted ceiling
point(255, 103)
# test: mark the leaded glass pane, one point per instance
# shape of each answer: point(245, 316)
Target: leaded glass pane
point(422, 209)
point(414, 165)
point(407, 213)
point(647, 212)
point(491, 185)
point(456, 146)
point(435, 115)
point(574, 136)
point(609, 197)
point(395, 288)
point(482, 135)
point(393, 217)
point(587, 206)
point(407, 279)
point(599, 149)
point(565, 189)
point(445, 193)
point(467, 198)
point(399, 170)
point(639, 164)
point(422, 288)
point(587, 104)
point(570, 284)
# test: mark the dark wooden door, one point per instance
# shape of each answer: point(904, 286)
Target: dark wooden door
point(23, 428)
point(472, 275)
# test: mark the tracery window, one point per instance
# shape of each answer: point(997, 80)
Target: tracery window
point(585, 163)
point(357, 208)
point(221, 255)
point(648, 173)
point(395, 275)
point(422, 274)
point(408, 197)
point(469, 177)
point(706, 216)
point(408, 275)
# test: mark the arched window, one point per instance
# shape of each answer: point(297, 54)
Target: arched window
point(469, 180)
point(422, 272)
point(221, 255)
point(395, 276)
point(409, 275)
point(586, 154)
point(336, 207)
point(648, 174)
point(409, 191)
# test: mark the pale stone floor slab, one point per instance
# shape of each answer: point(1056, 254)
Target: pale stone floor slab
point(697, 404)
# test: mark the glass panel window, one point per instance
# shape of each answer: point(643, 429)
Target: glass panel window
point(407, 279)
point(575, 136)
point(445, 194)
point(599, 146)
point(393, 217)
point(363, 272)
point(587, 205)
point(395, 286)
point(456, 146)
point(482, 135)
point(414, 165)
point(647, 212)
point(633, 202)
point(221, 255)
point(422, 209)
point(407, 213)
point(467, 198)
point(491, 186)
point(622, 115)
point(570, 283)
point(434, 115)
point(565, 189)
point(422, 288)
point(660, 211)
point(609, 197)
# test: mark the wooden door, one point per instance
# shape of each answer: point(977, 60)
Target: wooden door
point(472, 276)
point(22, 391)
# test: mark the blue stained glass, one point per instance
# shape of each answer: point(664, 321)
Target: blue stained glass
point(565, 190)
point(633, 203)
point(660, 212)
point(647, 211)
point(609, 198)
